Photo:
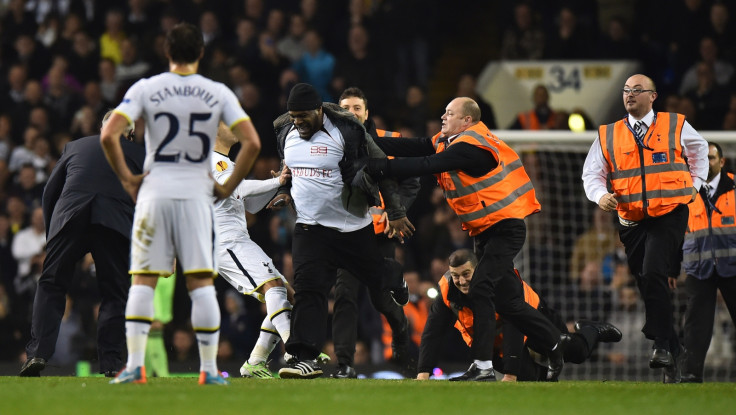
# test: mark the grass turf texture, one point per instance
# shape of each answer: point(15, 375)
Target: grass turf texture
point(93, 395)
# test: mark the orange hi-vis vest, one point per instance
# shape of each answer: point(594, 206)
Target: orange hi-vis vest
point(464, 323)
point(377, 211)
point(503, 193)
point(651, 182)
point(530, 121)
point(710, 239)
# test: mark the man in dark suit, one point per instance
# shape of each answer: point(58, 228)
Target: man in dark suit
point(86, 210)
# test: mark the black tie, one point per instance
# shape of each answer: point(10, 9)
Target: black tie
point(708, 198)
point(639, 128)
point(639, 131)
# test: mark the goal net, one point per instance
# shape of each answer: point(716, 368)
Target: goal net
point(573, 258)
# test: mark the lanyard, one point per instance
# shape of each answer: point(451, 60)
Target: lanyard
point(639, 140)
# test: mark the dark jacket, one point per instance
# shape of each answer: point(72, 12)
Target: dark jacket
point(408, 187)
point(83, 177)
point(360, 191)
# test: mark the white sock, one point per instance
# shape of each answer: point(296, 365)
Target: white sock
point(138, 319)
point(267, 340)
point(278, 309)
point(206, 324)
point(484, 364)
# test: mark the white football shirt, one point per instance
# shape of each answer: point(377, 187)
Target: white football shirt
point(250, 195)
point(181, 113)
point(316, 181)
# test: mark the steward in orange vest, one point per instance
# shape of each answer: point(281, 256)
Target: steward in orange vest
point(346, 307)
point(542, 117)
point(659, 184)
point(709, 242)
point(709, 259)
point(511, 355)
point(529, 120)
point(637, 167)
point(504, 192)
point(486, 185)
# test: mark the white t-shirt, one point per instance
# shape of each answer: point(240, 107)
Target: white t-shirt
point(316, 181)
point(182, 113)
point(250, 195)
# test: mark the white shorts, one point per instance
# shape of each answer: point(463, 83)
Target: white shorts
point(164, 229)
point(246, 267)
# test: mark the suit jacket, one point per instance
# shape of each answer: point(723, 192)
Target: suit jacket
point(83, 178)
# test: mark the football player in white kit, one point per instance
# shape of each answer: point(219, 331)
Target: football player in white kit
point(241, 261)
point(174, 216)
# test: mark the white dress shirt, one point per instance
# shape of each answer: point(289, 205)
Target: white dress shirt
point(694, 147)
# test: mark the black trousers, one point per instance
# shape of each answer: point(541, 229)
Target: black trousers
point(524, 366)
point(495, 288)
point(654, 251)
point(317, 254)
point(700, 315)
point(345, 309)
point(111, 253)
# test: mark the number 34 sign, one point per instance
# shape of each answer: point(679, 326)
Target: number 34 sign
point(589, 85)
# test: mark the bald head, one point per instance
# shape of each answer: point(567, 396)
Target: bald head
point(639, 105)
point(460, 114)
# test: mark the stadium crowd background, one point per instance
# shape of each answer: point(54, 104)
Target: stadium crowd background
point(64, 63)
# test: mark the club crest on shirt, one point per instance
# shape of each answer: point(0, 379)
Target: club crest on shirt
point(221, 166)
point(318, 151)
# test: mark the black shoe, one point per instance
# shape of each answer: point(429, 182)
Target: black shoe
point(673, 374)
point(690, 378)
point(344, 372)
point(400, 294)
point(33, 367)
point(607, 332)
point(397, 286)
point(404, 360)
point(110, 373)
point(474, 374)
point(661, 358)
point(557, 359)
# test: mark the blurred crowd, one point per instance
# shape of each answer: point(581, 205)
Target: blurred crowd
point(64, 63)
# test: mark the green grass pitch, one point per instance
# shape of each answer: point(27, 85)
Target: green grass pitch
point(161, 396)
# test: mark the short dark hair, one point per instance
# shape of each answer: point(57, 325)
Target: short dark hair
point(184, 43)
point(461, 256)
point(354, 92)
point(718, 148)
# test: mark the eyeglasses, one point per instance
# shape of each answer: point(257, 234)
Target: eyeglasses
point(635, 92)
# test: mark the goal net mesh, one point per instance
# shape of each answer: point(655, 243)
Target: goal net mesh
point(574, 260)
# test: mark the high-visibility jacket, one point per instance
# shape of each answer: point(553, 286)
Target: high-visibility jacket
point(650, 182)
point(530, 121)
point(503, 193)
point(710, 241)
point(377, 211)
point(464, 323)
